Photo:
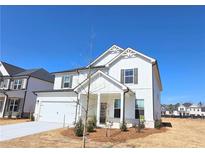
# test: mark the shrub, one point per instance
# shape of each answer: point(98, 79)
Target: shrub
point(78, 130)
point(142, 125)
point(32, 118)
point(123, 127)
point(95, 121)
point(90, 126)
point(158, 124)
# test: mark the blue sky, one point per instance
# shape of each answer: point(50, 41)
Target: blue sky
point(58, 37)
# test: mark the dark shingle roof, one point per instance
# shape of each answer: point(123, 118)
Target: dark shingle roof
point(37, 73)
point(11, 69)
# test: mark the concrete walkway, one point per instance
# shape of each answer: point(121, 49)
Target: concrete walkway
point(12, 131)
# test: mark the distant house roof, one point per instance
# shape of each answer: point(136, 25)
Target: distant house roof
point(187, 104)
point(11, 69)
point(37, 73)
point(194, 105)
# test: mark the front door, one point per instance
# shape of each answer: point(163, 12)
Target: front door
point(103, 107)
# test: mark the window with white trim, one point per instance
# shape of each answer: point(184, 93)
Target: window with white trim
point(129, 76)
point(117, 105)
point(17, 84)
point(13, 105)
point(139, 109)
point(66, 81)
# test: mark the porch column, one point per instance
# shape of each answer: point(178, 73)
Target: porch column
point(98, 109)
point(122, 108)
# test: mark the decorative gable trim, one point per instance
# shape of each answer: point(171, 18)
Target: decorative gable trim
point(113, 49)
point(129, 52)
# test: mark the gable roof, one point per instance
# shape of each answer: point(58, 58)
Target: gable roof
point(103, 74)
point(187, 104)
point(111, 49)
point(134, 52)
point(11, 69)
point(39, 73)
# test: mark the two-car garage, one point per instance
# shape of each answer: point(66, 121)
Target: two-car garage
point(56, 109)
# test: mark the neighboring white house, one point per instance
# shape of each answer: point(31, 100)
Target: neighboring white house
point(125, 85)
point(191, 110)
point(16, 89)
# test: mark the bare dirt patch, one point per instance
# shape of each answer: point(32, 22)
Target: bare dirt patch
point(183, 133)
point(114, 135)
point(12, 121)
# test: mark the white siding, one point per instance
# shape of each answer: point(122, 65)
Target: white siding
point(106, 59)
point(3, 70)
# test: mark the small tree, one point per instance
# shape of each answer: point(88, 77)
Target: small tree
point(123, 127)
point(90, 126)
point(79, 128)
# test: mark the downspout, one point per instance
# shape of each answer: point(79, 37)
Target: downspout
point(127, 90)
point(25, 94)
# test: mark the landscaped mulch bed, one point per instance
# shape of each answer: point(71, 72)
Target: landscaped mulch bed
point(116, 135)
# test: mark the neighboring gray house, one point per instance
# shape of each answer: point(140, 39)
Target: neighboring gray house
point(16, 89)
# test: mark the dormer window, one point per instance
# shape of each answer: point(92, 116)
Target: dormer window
point(17, 84)
point(67, 81)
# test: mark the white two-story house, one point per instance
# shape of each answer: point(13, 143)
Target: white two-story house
point(17, 99)
point(125, 86)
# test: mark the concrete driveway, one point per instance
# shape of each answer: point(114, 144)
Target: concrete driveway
point(12, 131)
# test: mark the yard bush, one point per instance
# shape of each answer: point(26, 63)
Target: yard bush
point(78, 130)
point(158, 124)
point(90, 126)
point(123, 127)
point(95, 121)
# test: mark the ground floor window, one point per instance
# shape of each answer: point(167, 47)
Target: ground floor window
point(1, 104)
point(13, 105)
point(117, 105)
point(139, 109)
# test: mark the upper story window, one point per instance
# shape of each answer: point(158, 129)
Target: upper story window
point(67, 81)
point(17, 84)
point(129, 76)
point(181, 109)
point(3, 83)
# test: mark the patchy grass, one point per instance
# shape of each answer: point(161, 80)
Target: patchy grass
point(4, 121)
point(183, 133)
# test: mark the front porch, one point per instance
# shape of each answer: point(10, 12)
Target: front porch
point(10, 107)
point(108, 108)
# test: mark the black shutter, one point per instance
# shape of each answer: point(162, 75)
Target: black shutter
point(62, 86)
point(71, 81)
point(122, 76)
point(135, 76)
